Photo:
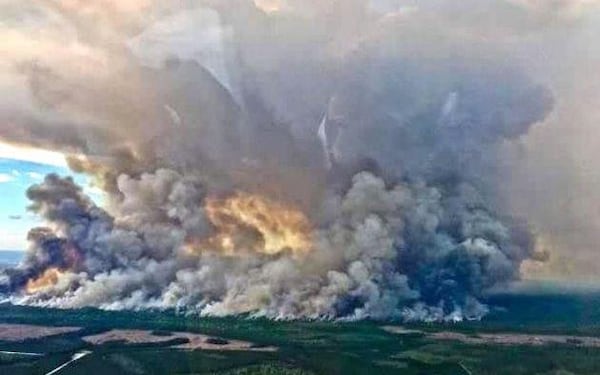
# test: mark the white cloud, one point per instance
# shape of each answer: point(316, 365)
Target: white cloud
point(10, 240)
point(35, 175)
point(34, 155)
point(5, 177)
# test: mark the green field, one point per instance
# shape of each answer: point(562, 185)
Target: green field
point(313, 347)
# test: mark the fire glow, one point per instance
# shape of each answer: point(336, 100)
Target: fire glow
point(252, 222)
point(48, 279)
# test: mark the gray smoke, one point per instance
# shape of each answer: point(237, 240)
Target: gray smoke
point(406, 220)
point(378, 248)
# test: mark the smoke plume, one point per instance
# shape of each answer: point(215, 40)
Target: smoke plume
point(289, 159)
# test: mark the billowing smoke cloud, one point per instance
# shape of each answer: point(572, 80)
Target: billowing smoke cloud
point(287, 158)
point(378, 246)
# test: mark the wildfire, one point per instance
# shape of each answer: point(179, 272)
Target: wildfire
point(48, 279)
point(268, 6)
point(251, 222)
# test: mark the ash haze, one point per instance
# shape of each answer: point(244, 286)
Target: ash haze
point(304, 159)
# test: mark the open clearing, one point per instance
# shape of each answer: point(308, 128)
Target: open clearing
point(517, 339)
point(501, 338)
point(21, 332)
point(195, 341)
point(399, 330)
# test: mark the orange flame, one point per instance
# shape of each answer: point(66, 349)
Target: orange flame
point(251, 222)
point(48, 279)
point(268, 6)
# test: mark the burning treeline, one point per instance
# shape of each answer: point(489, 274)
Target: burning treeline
point(310, 160)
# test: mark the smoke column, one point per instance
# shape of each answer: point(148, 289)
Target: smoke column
point(288, 159)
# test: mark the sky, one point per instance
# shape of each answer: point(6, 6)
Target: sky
point(18, 171)
point(15, 177)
